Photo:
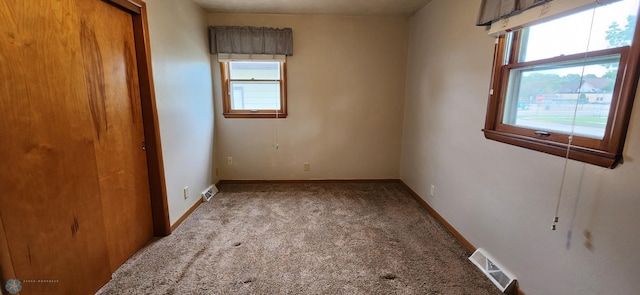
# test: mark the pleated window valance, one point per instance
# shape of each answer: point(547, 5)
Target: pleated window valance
point(493, 10)
point(251, 40)
point(540, 13)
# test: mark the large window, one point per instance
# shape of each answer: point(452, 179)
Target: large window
point(254, 89)
point(568, 82)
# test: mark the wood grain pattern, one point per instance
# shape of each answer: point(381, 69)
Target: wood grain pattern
point(6, 265)
point(49, 194)
point(56, 84)
point(112, 82)
point(94, 77)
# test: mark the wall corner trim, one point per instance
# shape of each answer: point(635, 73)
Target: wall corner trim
point(185, 215)
point(441, 219)
point(450, 228)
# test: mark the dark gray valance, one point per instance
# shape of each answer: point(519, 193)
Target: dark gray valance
point(493, 10)
point(251, 40)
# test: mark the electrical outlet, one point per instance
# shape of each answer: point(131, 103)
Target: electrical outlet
point(186, 192)
point(229, 161)
point(307, 166)
point(432, 192)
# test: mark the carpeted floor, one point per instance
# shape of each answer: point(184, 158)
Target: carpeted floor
point(320, 238)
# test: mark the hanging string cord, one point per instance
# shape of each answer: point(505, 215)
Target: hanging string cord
point(573, 125)
point(276, 135)
point(277, 113)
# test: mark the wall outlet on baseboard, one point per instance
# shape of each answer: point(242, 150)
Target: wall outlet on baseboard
point(229, 161)
point(185, 191)
point(307, 166)
point(432, 191)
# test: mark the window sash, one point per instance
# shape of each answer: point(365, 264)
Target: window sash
point(606, 152)
point(230, 112)
point(253, 100)
point(253, 76)
point(554, 135)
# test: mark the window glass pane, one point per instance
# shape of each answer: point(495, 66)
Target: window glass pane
point(613, 26)
point(546, 97)
point(254, 70)
point(255, 95)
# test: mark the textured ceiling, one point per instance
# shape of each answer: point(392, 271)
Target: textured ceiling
point(339, 7)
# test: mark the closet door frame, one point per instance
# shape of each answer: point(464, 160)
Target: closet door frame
point(155, 165)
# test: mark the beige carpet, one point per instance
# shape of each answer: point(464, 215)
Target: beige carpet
point(321, 238)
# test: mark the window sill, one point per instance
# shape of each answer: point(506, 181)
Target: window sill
point(250, 115)
point(591, 156)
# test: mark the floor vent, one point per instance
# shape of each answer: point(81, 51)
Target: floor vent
point(504, 280)
point(208, 194)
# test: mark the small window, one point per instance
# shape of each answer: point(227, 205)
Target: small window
point(254, 89)
point(575, 75)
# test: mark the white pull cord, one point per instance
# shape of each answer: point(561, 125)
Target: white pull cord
point(573, 126)
point(564, 173)
point(276, 136)
point(278, 111)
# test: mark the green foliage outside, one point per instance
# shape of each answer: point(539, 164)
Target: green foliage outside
point(537, 83)
point(621, 36)
point(583, 99)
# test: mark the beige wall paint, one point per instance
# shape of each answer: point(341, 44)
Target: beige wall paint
point(502, 197)
point(182, 75)
point(346, 85)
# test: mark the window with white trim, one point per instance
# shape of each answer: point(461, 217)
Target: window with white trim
point(567, 82)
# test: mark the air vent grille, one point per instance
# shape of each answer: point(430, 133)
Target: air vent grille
point(500, 277)
point(208, 194)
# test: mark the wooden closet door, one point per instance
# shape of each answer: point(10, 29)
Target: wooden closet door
point(114, 98)
point(50, 201)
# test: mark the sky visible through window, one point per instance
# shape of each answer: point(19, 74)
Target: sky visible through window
point(570, 35)
point(254, 93)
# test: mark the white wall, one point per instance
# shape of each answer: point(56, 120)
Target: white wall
point(182, 76)
point(346, 84)
point(502, 197)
